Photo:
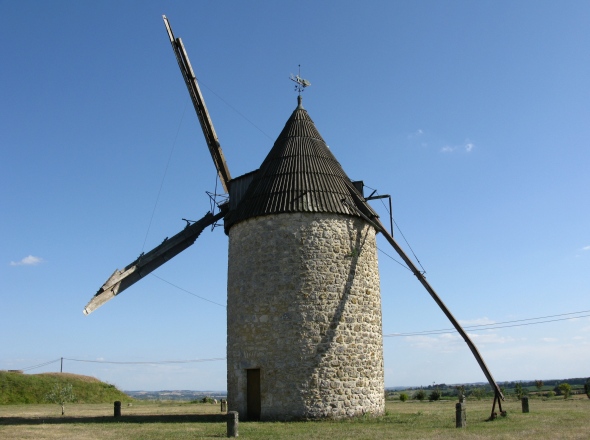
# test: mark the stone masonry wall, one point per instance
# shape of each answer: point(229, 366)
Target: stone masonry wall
point(304, 307)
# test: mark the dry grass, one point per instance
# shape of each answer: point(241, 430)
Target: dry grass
point(556, 419)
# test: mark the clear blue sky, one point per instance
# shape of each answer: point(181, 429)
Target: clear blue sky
point(474, 116)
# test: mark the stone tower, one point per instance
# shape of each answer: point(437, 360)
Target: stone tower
point(304, 336)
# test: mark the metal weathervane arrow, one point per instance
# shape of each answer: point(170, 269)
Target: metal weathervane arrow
point(301, 83)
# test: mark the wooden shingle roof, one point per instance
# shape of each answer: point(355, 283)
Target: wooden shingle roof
point(299, 174)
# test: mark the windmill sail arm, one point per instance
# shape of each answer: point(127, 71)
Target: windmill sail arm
point(148, 262)
point(380, 228)
point(443, 307)
point(199, 103)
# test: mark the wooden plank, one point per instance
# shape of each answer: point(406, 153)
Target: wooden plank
point(194, 90)
point(146, 263)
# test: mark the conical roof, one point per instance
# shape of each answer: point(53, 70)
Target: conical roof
point(299, 174)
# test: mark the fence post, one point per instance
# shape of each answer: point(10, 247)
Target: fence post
point(460, 416)
point(525, 404)
point(232, 424)
point(117, 409)
point(223, 405)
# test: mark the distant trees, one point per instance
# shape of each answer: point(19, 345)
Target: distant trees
point(478, 393)
point(61, 394)
point(565, 389)
point(519, 392)
point(516, 389)
point(434, 395)
point(403, 397)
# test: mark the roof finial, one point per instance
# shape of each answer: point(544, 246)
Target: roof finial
point(301, 83)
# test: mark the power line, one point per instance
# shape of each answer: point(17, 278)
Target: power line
point(481, 327)
point(146, 362)
point(190, 361)
point(40, 365)
point(497, 325)
point(517, 320)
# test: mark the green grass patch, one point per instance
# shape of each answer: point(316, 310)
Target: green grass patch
point(18, 388)
point(554, 418)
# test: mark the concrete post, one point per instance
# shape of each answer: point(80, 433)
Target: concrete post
point(460, 416)
point(525, 404)
point(223, 405)
point(232, 424)
point(117, 409)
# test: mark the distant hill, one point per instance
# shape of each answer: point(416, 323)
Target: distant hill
point(17, 388)
point(188, 395)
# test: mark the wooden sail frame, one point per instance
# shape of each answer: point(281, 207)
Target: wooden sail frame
point(150, 261)
point(199, 103)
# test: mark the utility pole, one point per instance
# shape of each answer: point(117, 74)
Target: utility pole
point(61, 368)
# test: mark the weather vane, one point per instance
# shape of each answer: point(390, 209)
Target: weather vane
point(301, 83)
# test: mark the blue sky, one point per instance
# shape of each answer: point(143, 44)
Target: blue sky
point(472, 115)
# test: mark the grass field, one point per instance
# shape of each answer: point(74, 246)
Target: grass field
point(553, 418)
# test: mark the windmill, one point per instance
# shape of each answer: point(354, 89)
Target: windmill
point(304, 336)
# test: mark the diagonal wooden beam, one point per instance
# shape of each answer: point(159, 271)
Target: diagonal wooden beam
point(199, 104)
point(146, 263)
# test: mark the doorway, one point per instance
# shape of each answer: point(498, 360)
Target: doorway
point(253, 394)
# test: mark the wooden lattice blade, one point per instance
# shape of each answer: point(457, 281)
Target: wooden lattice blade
point(146, 263)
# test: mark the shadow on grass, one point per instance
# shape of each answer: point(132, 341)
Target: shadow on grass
point(178, 418)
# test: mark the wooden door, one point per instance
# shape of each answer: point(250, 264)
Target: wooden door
point(253, 394)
